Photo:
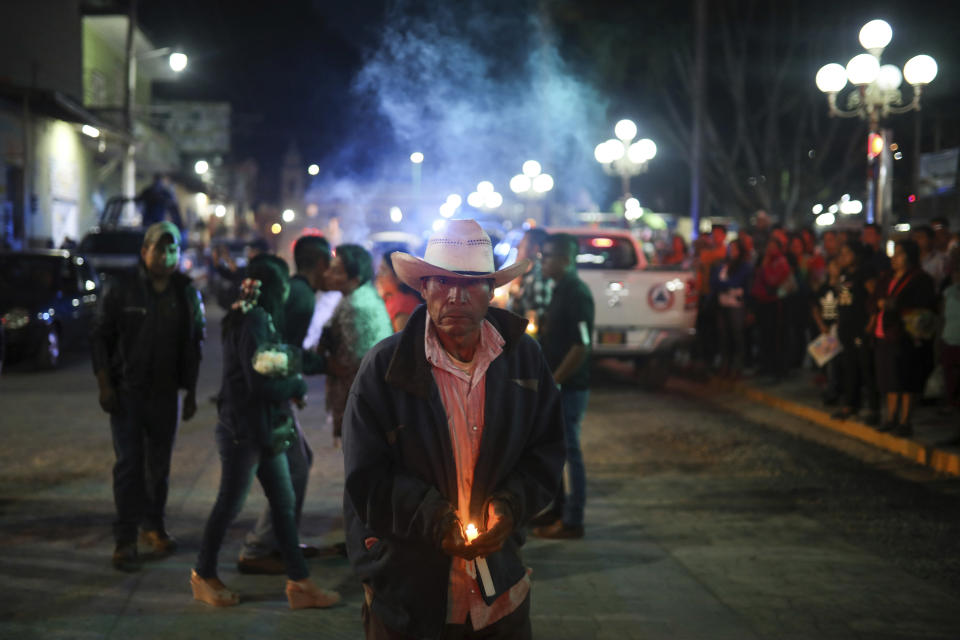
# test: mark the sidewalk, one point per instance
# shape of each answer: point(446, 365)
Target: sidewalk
point(929, 446)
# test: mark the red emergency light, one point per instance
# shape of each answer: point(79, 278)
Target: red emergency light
point(602, 243)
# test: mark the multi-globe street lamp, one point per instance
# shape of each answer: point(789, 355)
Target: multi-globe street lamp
point(876, 95)
point(532, 183)
point(485, 197)
point(623, 157)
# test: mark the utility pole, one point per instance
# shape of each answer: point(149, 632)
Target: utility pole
point(699, 77)
point(129, 172)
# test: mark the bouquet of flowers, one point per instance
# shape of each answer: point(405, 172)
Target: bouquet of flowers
point(276, 361)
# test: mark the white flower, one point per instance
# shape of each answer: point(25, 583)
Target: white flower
point(270, 363)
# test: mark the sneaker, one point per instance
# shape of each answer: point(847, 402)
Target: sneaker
point(270, 565)
point(159, 541)
point(559, 531)
point(125, 557)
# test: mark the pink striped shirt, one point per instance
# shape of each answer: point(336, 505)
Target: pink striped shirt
point(462, 389)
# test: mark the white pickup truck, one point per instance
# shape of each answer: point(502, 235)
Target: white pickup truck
point(642, 312)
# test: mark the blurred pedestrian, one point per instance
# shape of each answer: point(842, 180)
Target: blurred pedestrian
point(731, 281)
point(876, 255)
point(768, 290)
point(853, 315)
point(261, 553)
point(825, 316)
point(677, 255)
point(255, 427)
point(146, 340)
point(157, 201)
point(904, 328)
point(399, 299)
point(932, 260)
point(453, 421)
point(530, 294)
point(359, 321)
point(712, 250)
point(566, 337)
point(950, 338)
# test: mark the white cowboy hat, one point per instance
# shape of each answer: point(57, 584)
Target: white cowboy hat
point(461, 249)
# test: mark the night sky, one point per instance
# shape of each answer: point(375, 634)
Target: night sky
point(481, 85)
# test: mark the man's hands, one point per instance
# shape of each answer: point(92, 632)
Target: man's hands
point(499, 526)
point(108, 396)
point(189, 405)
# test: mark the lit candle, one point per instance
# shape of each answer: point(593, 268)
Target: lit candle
point(482, 569)
point(472, 532)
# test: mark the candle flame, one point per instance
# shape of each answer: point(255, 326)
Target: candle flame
point(472, 532)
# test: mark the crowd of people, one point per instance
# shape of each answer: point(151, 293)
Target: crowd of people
point(420, 372)
point(878, 325)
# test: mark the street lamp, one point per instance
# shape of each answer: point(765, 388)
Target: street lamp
point(313, 169)
point(876, 95)
point(622, 157)
point(532, 183)
point(485, 197)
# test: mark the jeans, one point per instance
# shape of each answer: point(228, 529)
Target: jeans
point(730, 327)
point(574, 405)
point(143, 430)
point(239, 462)
point(262, 540)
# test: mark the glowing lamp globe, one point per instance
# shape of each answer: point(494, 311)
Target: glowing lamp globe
point(831, 78)
point(889, 77)
point(531, 168)
point(177, 61)
point(520, 183)
point(876, 34)
point(863, 69)
point(625, 130)
point(642, 151)
point(543, 183)
point(920, 70)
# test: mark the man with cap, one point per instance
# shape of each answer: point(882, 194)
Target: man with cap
point(146, 340)
point(452, 441)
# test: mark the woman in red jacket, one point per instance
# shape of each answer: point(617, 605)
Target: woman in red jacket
point(771, 284)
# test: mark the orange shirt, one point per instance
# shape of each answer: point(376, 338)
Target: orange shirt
point(462, 387)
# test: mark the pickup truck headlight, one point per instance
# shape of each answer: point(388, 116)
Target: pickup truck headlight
point(16, 319)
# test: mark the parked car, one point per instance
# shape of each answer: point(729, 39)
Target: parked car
point(47, 301)
point(112, 250)
point(642, 313)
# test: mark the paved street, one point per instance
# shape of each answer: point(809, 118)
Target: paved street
point(702, 522)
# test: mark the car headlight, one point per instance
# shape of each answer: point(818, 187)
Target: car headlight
point(16, 319)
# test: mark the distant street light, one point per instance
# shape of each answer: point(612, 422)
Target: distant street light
point(485, 197)
point(178, 61)
point(449, 208)
point(416, 157)
point(288, 215)
point(622, 157)
point(201, 167)
point(396, 215)
point(532, 184)
point(313, 169)
point(876, 95)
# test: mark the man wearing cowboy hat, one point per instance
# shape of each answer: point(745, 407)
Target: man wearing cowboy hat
point(453, 427)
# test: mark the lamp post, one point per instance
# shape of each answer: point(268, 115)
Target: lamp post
point(177, 61)
point(623, 157)
point(876, 95)
point(532, 184)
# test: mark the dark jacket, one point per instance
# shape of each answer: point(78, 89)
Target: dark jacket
point(400, 474)
point(120, 331)
point(297, 316)
point(915, 290)
point(251, 405)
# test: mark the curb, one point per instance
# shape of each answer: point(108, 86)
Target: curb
point(939, 460)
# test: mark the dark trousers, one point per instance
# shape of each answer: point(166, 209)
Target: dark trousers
point(730, 326)
point(143, 430)
point(515, 626)
point(262, 539)
point(860, 381)
point(770, 326)
point(950, 361)
point(239, 463)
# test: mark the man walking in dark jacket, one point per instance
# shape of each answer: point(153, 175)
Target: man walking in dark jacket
point(146, 340)
point(261, 551)
point(565, 337)
point(452, 440)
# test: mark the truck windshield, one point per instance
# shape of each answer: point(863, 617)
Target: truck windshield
point(606, 252)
